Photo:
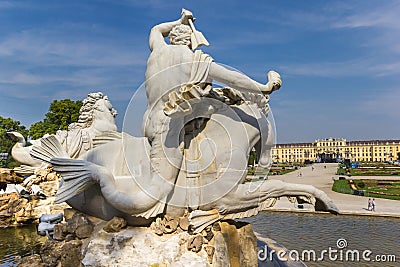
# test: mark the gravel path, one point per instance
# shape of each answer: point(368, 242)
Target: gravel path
point(322, 178)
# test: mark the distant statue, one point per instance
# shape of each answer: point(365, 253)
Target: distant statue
point(197, 141)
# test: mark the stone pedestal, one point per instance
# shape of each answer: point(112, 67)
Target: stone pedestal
point(223, 244)
point(138, 246)
point(90, 242)
point(164, 243)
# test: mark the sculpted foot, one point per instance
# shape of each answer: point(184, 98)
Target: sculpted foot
point(329, 206)
point(319, 200)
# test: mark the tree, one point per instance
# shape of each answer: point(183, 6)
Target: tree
point(6, 143)
point(38, 129)
point(61, 113)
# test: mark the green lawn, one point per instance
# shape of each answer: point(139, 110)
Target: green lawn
point(389, 189)
point(342, 186)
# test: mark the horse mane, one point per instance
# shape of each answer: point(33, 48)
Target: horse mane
point(86, 117)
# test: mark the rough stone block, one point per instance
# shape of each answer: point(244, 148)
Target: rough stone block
point(221, 254)
point(195, 243)
point(248, 246)
point(84, 230)
point(68, 213)
point(72, 254)
point(59, 232)
point(31, 261)
point(115, 225)
point(50, 252)
point(80, 225)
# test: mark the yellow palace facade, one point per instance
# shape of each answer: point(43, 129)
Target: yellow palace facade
point(332, 149)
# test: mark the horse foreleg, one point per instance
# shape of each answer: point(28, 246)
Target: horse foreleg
point(253, 195)
point(307, 193)
point(248, 199)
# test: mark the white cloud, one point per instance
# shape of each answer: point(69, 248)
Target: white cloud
point(356, 67)
point(382, 21)
point(51, 48)
point(56, 60)
point(347, 14)
point(6, 4)
point(383, 15)
point(74, 82)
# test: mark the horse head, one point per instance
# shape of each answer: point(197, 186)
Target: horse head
point(96, 113)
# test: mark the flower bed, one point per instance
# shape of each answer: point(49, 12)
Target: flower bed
point(373, 188)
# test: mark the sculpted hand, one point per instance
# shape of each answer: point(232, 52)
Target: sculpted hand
point(274, 82)
point(186, 15)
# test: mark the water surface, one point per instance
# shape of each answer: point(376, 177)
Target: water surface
point(302, 231)
point(18, 241)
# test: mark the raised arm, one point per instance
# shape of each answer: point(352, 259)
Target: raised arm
point(160, 31)
point(243, 83)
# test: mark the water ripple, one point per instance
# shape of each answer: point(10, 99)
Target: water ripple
point(301, 231)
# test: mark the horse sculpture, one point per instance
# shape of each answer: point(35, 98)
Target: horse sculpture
point(112, 179)
point(193, 158)
point(96, 117)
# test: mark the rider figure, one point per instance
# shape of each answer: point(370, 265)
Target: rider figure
point(171, 67)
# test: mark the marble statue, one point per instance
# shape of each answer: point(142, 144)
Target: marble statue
point(96, 117)
point(194, 153)
point(21, 153)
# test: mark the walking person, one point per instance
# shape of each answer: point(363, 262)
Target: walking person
point(369, 204)
point(373, 204)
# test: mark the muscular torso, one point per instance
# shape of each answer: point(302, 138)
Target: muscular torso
point(168, 67)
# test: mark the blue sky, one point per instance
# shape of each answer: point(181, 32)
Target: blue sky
point(339, 60)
